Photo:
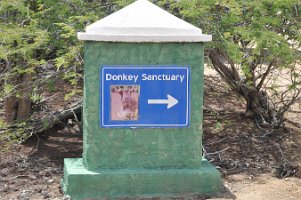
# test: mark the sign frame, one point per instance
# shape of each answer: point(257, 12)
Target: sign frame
point(142, 125)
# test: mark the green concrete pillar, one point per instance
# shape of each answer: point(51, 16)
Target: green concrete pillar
point(134, 158)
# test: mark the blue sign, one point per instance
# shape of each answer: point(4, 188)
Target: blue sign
point(145, 96)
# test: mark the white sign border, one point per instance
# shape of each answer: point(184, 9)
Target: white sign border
point(103, 67)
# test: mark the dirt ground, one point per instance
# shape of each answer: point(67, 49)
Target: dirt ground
point(254, 164)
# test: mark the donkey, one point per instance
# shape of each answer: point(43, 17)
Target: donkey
point(129, 104)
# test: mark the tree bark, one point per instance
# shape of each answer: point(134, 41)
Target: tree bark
point(259, 107)
point(10, 106)
point(10, 102)
point(19, 108)
point(24, 102)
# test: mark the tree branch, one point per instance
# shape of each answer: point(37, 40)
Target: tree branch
point(267, 72)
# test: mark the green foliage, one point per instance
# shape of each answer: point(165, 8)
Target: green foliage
point(251, 41)
point(245, 28)
point(22, 44)
point(37, 33)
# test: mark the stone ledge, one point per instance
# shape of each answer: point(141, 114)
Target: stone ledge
point(80, 183)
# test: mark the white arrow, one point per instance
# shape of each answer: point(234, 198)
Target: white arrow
point(170, 101)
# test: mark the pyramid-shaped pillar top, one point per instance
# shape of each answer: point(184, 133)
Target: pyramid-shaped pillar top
point(143, 21)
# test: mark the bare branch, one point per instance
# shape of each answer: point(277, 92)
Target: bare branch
point(267, 72)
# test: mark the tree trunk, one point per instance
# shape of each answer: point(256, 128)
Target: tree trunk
point(10, 106)
point(24, 103)
point(11, 102)
point(258, 106)
point(19, 108)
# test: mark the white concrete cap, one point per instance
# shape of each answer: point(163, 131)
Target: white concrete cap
point(143, 21)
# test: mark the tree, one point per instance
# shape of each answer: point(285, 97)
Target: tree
point(252, 42)
point(38, 37)
point(35, 34)
point(20, 51)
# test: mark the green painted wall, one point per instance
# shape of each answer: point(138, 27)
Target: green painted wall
point(142, 147)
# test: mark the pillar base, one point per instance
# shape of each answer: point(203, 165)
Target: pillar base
point(80, 183)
